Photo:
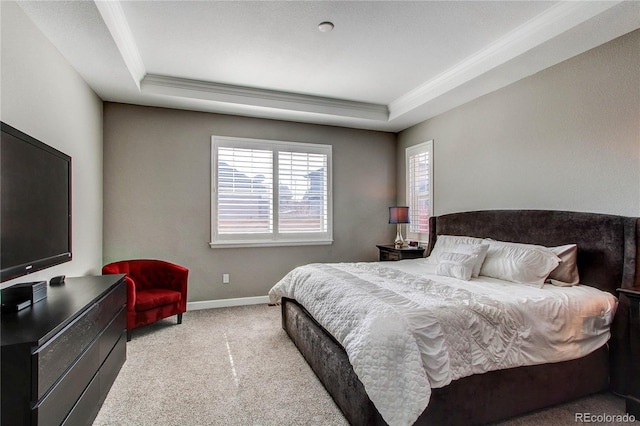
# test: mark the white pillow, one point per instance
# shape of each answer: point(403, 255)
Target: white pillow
point(456, 265)
point(566, 273)
point(520, 263)
point(480, 250)
point(448, 243)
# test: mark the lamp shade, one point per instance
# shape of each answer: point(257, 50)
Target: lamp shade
point(399, 214)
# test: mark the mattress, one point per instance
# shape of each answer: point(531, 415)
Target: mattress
point(407, 330)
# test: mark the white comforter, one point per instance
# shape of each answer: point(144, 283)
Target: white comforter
point(406, 330)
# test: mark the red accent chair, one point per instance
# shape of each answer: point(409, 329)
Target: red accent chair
point(155, 290)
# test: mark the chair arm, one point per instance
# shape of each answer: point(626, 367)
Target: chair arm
point(131, 293)
point(112, 268)
point(122, 268)
point(176, 277)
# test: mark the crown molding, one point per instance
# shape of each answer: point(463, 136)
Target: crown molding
point(116, 22)
point(544, 27)
point(226, 93)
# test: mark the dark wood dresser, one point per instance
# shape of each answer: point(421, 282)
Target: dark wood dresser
point(61, 355)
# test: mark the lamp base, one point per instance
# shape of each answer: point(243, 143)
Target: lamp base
point(399, 242)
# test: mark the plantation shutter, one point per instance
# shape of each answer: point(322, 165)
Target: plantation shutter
point(303, 192)
point(244, 188)
point(419, 189)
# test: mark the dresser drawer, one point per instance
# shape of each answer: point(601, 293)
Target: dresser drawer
point(110, 305)
point(386, 255)
point(112, 365)
point(57, 404)
point(55, 356)
point(87, 407)
point(112, 333)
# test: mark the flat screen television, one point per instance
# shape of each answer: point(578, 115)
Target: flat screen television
point(35, 205)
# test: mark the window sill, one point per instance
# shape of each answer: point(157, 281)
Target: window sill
point(290, 243)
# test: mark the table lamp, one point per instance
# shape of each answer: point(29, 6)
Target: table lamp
point(399, 215)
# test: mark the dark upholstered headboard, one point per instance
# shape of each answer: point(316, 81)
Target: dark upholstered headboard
point(608, 254)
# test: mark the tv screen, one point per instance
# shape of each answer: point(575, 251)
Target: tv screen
point(35, 205)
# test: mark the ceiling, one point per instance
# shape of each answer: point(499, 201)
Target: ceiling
point(385, 66)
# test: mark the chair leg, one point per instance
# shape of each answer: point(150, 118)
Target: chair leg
point(179, 318)
point(128, 335)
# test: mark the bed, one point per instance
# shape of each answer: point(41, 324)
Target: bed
point(607, 259)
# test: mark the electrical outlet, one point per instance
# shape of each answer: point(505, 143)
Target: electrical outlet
point(225, 278)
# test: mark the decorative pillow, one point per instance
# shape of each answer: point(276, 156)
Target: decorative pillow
point(566, 273)
point(479, 250)
point(520, 263)
point(456, 265)
point(448, 243)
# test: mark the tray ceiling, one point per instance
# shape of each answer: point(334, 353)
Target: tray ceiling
point(384, 66)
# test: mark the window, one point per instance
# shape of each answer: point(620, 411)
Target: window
point(268, 193)
point(419, 164)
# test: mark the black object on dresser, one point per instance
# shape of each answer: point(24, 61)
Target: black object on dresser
point(392, 253)
point(633, 384)
point(61, 355)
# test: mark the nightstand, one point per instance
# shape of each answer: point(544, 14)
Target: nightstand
point(633, 385)
point(392, 253)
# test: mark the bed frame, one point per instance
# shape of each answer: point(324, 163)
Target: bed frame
point(608, 258)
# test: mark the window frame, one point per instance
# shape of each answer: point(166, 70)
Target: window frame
point(411, 151)
point(274, 238)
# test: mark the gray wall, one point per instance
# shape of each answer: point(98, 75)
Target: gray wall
point(157, 182)
point(567, 138)
point(43, 96)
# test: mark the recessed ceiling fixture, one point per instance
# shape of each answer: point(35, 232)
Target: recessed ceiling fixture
point(325, 26)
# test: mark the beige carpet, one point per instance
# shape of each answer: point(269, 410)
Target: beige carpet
point(236, 366)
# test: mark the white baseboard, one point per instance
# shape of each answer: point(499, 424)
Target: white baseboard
point(225, 303)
